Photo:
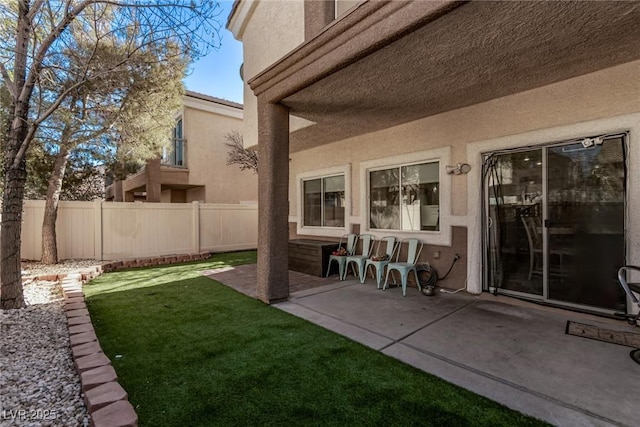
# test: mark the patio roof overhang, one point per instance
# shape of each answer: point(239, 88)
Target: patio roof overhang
point(388, 63)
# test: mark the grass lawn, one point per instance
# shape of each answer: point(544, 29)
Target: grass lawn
point(192, 352)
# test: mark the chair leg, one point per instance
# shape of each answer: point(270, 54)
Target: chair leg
point(341, 270)
point(393, 277)
point(386, 280)
point(346, 270)
point(403, 278)
point(379, 273)
point(415, 273)
point(329, 267)
point(363, 274)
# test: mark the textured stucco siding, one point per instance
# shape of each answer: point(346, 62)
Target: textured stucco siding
point(206, 159)
point(607, 93)
point(284, 21)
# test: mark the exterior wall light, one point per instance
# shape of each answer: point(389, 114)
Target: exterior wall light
point(458, 169)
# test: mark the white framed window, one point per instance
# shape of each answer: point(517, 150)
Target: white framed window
point(405, 197)
point(324, 201)
point(408, 195)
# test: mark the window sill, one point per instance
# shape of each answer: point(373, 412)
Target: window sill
point(321, 231)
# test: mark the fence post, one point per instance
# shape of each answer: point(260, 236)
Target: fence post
point(195, 241)
point(97, 227)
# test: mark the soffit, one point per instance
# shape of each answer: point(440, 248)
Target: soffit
point(473, 53)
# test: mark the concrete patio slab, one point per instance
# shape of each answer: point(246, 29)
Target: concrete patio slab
point(525, 401)
point(363, 336)
point(528, 348)
point(517, 354)
point(511, 351)
point(387, 313)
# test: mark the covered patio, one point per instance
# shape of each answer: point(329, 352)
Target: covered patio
point(390, 63)
point(513, 352)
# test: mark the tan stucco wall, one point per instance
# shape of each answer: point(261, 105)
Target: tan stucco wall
point(206, 160)
point(261, 48)
point(607, 93)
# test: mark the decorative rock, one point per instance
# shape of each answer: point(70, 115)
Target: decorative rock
point(36, 366)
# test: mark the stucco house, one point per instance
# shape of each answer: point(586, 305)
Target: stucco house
point(506, 132)
point(195, 168)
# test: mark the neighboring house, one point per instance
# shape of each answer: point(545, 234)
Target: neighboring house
point(195, 168)
point(506, 132)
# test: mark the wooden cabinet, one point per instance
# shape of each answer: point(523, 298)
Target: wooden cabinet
point(311, 256)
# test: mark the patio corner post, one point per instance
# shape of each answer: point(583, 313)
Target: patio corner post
point(273, 202)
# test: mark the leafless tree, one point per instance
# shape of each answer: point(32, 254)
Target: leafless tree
point(238, 155)
point(36, 39)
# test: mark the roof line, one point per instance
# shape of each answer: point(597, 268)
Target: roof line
point(209, 98)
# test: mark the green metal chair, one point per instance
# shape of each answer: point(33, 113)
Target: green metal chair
point(359, 260)
point(391, 246)
point(351, 241)
point(414, 247)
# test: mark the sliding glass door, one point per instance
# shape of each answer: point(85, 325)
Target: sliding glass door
point(554, 222)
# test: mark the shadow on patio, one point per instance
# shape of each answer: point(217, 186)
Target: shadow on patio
point(513, 352)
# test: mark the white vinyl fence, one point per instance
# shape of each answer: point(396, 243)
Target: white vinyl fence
point(110, 231)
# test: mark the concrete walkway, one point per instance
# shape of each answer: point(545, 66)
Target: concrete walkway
point(510, 351)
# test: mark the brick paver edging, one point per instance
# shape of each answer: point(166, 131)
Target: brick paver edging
point(88, 274)
point(105, 398)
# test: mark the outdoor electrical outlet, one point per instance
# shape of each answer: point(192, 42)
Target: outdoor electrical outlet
point(436, 255)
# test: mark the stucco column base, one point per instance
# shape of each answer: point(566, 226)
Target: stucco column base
point(273, 202)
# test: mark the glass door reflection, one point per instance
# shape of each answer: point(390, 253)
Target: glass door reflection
point(585, 222)
point(514, 208)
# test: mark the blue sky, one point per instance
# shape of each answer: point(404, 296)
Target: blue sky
point(218, 73)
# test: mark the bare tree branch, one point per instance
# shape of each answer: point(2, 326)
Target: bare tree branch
point(238, 155)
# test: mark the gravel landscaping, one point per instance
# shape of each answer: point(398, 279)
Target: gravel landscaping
point(40, 386)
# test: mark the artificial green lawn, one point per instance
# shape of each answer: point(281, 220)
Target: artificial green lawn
point(192, 352)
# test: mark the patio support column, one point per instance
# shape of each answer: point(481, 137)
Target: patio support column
point(273, 202)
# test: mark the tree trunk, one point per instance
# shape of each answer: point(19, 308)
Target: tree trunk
point(15, 171)
point(49, 243)
point(14, 179)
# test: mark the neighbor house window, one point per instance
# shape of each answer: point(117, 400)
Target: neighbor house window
point(174, 155)
point(405, 197)
point(324, 201)
point(178, 144)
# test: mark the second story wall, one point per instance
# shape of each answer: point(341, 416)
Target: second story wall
point(285, 23)
point(206, 156)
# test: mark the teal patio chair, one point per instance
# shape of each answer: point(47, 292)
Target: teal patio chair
point(351, 241)
point(390, 246)
point(414, 247)
point(359, 260)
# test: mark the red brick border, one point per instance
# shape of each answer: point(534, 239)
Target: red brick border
point(107, 402)
point(90, 273)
